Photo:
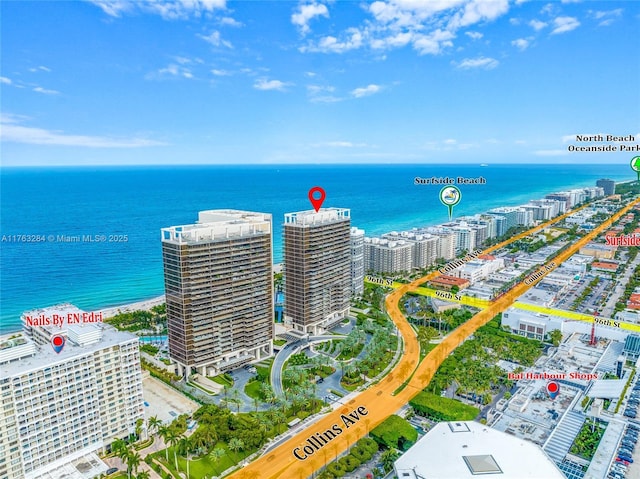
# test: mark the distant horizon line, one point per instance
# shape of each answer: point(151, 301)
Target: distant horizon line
point(169, 165)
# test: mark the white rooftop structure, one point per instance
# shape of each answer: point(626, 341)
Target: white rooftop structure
point(459, 450)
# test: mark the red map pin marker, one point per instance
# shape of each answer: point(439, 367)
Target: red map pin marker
point(317, 202)
point(57, 342)
point(553, 388)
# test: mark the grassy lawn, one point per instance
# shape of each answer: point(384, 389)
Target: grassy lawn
point(252, 389)
point(203, 466)
point(222, 380)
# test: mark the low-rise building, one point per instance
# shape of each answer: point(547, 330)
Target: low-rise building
point(459, 450)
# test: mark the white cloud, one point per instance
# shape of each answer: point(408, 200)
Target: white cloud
point(45, 91)
point(221, 73)
point(429, 27)
point(450, 141)
point(608, 13)
point(215, 39)
point(607, 17)
point(230, 22)
point(480, 11)
point(537, 25)
point(340, 144)
point(564, 24)
point(14, 133)
point(331, 44)
point(316, 89)
point(306, 13)
point(40, 68)
point(485, 63)
point(264, 84)
point(433, 43)
point(167, 9)
point(366, 91)
point(171, 70)
point(550, 152)
point(522, 43)
point(5, 80)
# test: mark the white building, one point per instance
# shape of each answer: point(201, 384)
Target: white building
point(357, 261)
point(425, 247)
point(388, 256)
point(60, 409)
point(479, 269)
point(459, 450)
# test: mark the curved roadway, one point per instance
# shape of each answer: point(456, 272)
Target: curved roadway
point(380, 401)
point(288, 350)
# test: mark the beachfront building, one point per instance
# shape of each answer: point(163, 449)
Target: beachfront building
point(446, 241)
point(357, 261)
point(459, 450)
point(219, 290)
point(60, 409)
point(608, 186)
point(388, 256)
point(317, 268)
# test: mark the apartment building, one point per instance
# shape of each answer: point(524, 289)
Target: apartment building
point(219, 290)
point(60, 409)
point(317, 268)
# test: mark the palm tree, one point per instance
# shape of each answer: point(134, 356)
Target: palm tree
point(118, 447)
point(153, 423)
point(217, 454)
point(185, 444)
point(138, 430)
point(143, 475)
point(133, 460)
point(165, 433)
point(236, 445)
point(174, 439)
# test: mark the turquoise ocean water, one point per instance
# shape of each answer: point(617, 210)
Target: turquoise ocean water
point(138, 201)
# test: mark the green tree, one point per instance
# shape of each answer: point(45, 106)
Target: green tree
point(165, 433)
point(143, 475)
point(132, 460)
point(153, 423)
point(217, 454)
point(174, 439)
point(236, 445)
point(556, 337)
point(387, 458)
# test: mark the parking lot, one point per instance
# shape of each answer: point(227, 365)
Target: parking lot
point(164, 402)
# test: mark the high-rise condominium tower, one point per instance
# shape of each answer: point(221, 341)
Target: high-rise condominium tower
point(317, 268)
point(219, 290)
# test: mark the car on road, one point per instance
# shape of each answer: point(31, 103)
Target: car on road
point(112, 470)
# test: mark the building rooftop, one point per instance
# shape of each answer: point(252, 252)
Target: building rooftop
point(312, 217)
point(459, 450)
point(219, 225)
point(45, 355)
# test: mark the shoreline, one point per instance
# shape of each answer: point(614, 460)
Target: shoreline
point(143, 305)
point(147, 304)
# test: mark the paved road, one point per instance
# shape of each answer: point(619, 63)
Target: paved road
point(381, 400)
point(288, 350)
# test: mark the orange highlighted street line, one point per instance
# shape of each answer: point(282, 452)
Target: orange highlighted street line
point(379, 400)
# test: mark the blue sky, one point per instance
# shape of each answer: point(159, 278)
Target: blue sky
point(209, 81)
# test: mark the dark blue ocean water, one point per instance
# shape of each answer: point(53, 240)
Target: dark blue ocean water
point(138, 201)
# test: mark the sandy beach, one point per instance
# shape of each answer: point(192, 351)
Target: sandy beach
point(137, 306)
